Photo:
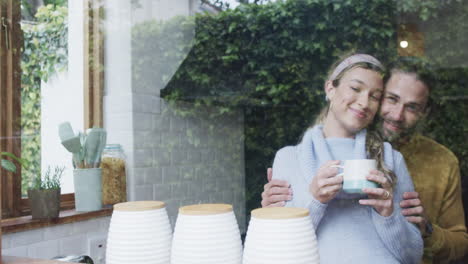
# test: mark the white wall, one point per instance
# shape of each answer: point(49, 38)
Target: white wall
point(160, 9)
point(118, 103)
point(49, 242)
point(180, 159)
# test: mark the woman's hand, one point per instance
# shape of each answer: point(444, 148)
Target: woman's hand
point(379, 198)
point(326, 184)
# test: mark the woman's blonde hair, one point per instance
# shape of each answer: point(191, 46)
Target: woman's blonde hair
point(374, 139)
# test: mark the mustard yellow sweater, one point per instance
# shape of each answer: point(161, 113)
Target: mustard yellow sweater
point(436, 176)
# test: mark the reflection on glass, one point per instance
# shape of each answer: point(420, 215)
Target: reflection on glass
point(201, 94)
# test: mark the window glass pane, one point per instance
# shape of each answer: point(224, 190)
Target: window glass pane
point(202, 94)
point(51, 89)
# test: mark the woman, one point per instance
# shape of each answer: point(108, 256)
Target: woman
point(351, 228)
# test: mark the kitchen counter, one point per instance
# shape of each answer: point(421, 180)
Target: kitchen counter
point(20, 260)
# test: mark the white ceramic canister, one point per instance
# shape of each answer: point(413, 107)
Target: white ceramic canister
point(208, 234)
point(139, 233)
point(280, 235)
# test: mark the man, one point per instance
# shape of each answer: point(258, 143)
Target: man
point(436, 206)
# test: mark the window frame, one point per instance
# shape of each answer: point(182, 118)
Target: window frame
point(12, 204)
point(10, 105)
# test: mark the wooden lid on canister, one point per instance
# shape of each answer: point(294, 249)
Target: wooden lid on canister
point(280, 212)
point(139, 206)
point(205, 209)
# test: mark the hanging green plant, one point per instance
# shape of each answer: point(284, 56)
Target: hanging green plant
point(9, 165)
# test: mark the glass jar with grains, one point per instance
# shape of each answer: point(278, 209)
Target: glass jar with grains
point(114, 181)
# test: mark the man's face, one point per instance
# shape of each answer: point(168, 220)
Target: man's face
point(403, 105)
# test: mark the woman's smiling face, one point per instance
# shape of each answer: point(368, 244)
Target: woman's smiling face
point(355, 101)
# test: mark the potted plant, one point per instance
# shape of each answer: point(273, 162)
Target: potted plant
point(44, 194)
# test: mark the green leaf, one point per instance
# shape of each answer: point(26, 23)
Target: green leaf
point(232, 26)
point(8, 165)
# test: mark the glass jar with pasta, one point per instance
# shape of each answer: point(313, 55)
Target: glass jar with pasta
point(114, 180)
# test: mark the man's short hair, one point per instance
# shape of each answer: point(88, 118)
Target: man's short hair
point(417, 67)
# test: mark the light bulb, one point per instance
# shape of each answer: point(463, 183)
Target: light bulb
point(404, 44)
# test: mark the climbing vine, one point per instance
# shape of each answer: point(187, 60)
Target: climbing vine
point(44, 54)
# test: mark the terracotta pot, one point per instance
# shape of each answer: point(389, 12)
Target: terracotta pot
point(44, 204)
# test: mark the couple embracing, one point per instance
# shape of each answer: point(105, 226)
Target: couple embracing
point(368, 226)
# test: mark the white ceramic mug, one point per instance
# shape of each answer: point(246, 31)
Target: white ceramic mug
point(355, 173)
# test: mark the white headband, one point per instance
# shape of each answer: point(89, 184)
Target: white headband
point(357, 58)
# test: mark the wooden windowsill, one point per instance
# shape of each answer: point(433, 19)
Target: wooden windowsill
point(24, 223)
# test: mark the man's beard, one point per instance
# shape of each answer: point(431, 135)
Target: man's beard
point(405, 134)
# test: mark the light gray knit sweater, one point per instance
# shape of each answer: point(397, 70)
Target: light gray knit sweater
point(348, 232)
